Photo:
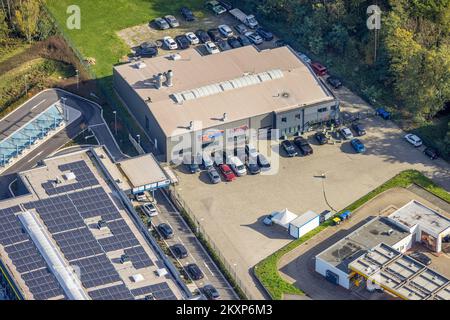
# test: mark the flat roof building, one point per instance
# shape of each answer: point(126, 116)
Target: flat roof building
point(236, 90)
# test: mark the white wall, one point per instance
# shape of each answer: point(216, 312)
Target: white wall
point(322, 267)
point(405, 244)
point(309, 226)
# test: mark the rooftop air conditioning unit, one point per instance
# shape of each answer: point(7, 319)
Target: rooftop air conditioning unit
point(141, 65)
point(175, 56)
point(70, 176)
point(137, 277)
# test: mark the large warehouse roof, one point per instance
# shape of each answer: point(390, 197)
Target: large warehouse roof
point(243, 83)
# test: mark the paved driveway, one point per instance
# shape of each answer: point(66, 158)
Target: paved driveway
point(231, 213)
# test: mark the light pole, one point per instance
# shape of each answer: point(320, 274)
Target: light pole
point(26, 84)
point(235, 273)
point(139, 139)
point(78, 79)
point(115, 121)
point(63, 99)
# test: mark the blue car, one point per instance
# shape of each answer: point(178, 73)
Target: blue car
point(386, 115)
point(358, 145)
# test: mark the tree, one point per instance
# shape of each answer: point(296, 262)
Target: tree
point(26, 18)
point(4, 29)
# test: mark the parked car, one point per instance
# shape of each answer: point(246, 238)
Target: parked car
point(237, 166)
point(215, 7)
point(359, 129)
point(172, 21)
point(214, 176)
point(166, 230)
point(358, 146)
point(254, 37)
point(280, 43)
point(288, 146)
point(234, 43)
point(265, 34)
point(414, 140)
point(203, 36)
point(321, 138)
point(346, 133)
point(194, 271)
point(251, 151)
point(244, 40)
point(219, 157)
point(268, 219)
point(170, 43)
point(304, 58)
point(335, 82)
point(183, 42)
point(207, 161)
point(179, 251)
point(227, 172)
point(226, 4)
point(140, 197)
point(147, 50)
point(214, 34)
point(191, 165)
point(225, 30)
point(161, 24)
point(210, 292)
point(319, 69)
point(252, 165)
point(432, 153)
point(223, 45)
point(303, 145)
point(419, 256)
point(263, 163)
point(187, 14)
point(386, 115)
point(150, 209)
point(193, 39)
point(241, 28)
point(211, 47)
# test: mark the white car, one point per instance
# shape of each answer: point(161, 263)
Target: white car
point(193, 39)
point(414, 140)
point(347, 133)
point(254, 37)
point(225, 30)
point(237, 166)
point(211, 47)
point(304, 57)
point(170, 43)
point(150, 209)
point(251, 151)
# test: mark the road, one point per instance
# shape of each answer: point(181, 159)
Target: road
point(197, 254)
point(91, 117)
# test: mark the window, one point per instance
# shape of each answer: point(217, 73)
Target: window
point(298, 116)
point(322, 110)
point(284, 119)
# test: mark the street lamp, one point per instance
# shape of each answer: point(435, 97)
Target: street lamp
point(139, 139)
point(26, 84)
point(115, 121)
point(78, 79)
point(235, 273)
point(64, 99)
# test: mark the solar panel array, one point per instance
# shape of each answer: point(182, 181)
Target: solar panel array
point(94, 202)
point(119, 292)
point(122, 237)
point(96, 271)
point(138, 257)
point(77, 244)
point(84, 177)
point(159, 291)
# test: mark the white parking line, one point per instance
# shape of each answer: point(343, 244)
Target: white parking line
point(38, 104)
point(208, 269)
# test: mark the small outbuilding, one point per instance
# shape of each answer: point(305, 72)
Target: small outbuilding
point(304, 224)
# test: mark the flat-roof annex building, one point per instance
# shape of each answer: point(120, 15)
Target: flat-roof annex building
point(223, 95)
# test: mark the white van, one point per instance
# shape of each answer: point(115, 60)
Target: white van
point(237, 166)
point(206, 160)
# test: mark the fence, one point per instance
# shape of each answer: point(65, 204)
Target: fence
point(201, 233)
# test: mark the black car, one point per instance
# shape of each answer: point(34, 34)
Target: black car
point(359, 129)
point(263, 163)
point(266, 35)
point(161, 24)
point(165, 230)
point(226, 4)
point(147, 50)
point(321, 138)
point(234, 42)
point(194, 271)
point(253, 167)
point(183, 42)
point(210, 292)
point(333, 122)
point(187, 14)
point(288, 146)
point(244, 40)
point(223, 45)
point(203, 36)
point(335, 82)
point(303, 145)
point(214, 34)
point(280, 43)
point(421, 258)
point(179, 251)
point(432, 153)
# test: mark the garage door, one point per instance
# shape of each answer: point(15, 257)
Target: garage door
point(332, 277)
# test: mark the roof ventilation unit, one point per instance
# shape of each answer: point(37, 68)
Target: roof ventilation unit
point(140, 65)
point(169, 78)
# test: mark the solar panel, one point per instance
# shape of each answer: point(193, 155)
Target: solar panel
point(76, 244)
point(119, 292)
point(42, 284)
point(160, 291)
point(25, 256)
point(96, 271)
point(11, 230)
point(122, 237)
point(139, 258)
point(95, 202)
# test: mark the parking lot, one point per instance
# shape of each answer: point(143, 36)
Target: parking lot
point(137, 35)
point(232, 213)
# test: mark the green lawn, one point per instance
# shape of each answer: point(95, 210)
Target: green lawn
point(101, 19)
point(267, 270)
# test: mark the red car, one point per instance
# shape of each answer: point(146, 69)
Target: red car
point(319, 69)
point(227, 173)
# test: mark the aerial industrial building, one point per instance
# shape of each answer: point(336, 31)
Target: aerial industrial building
point(216, 99)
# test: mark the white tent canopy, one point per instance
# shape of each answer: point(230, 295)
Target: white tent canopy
point(283, 218)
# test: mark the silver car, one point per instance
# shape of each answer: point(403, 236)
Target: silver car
point(214, 176)
point(172, 21)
